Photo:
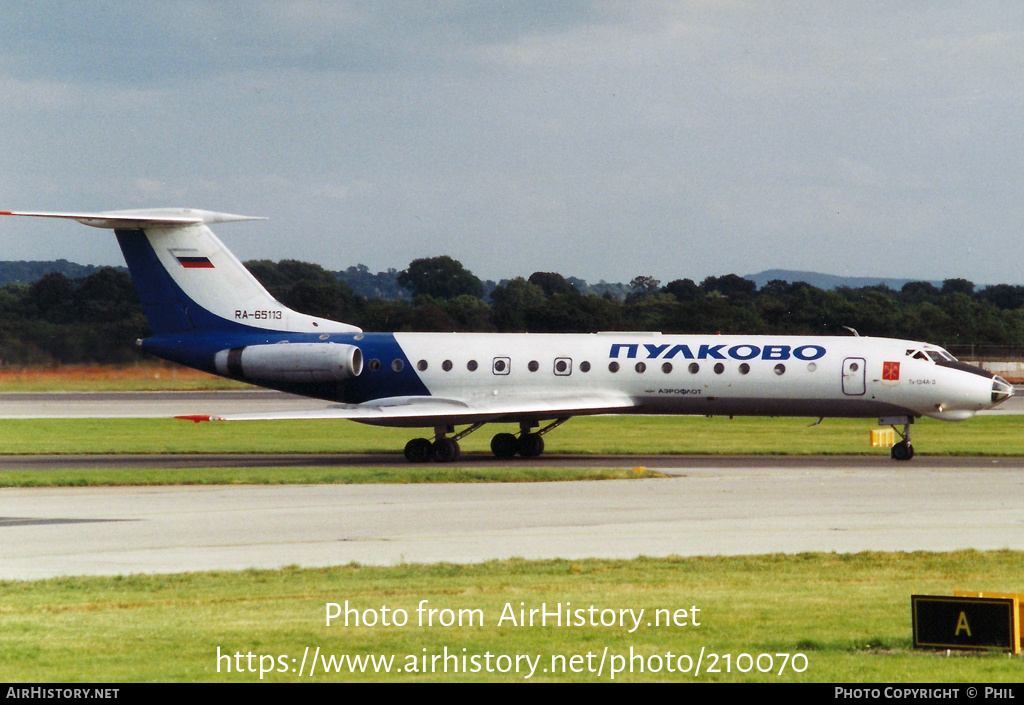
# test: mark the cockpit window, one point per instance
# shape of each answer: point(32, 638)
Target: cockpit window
point(936, 355)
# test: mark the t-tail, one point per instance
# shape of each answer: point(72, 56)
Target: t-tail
point(188, 281)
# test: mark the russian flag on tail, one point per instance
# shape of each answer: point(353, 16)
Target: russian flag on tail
point(194, 262)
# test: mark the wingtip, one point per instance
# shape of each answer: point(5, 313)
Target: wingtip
point(199, 418)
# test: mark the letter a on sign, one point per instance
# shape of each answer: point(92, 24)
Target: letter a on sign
point(962, 625)
point(891, 371)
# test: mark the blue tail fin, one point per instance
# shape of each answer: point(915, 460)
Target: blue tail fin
point(188, 280)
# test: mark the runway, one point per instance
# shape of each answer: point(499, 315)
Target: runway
point(710, 505)
point(71, 405)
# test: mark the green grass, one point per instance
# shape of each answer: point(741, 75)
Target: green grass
point(849, 615)
point(991, 435)
point(988, 435)
point(312, 475)
point(146, 376)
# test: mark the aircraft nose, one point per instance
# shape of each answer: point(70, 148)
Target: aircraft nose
point(1001, 390)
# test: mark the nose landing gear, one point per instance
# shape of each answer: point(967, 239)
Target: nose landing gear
point(903, 450)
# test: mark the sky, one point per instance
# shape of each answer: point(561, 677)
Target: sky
point(598, 139)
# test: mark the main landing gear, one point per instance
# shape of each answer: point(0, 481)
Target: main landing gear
point(902, 450)
point(526, 445)
point(445, 449)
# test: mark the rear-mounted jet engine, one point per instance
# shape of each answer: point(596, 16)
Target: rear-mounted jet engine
point(292, 362)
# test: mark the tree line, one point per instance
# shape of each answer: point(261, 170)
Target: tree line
point(97, 318)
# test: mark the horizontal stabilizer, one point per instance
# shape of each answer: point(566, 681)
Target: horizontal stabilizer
point(140, 219)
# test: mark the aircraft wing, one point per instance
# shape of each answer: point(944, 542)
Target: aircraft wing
point(422, 411)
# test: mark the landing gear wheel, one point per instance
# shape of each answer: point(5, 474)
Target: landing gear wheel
point(503, 445)
point(902, 451)
point(530, 445)
point(418, 450)
point(445, 450)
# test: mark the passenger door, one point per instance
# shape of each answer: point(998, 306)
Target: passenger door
point(854, 376)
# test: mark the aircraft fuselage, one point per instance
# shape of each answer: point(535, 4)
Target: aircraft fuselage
point(662, 374)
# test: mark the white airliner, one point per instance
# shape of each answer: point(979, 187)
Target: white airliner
point(208, 312)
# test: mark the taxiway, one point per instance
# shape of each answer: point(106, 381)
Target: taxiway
point(726, 507)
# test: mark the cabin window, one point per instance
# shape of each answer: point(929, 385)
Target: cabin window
point(397, 365)
point(744, 368)
point(533, 366)
point(780, 369)
point(667, 367)
point(584, 366)
point(446, 365)
point(563, 366)
point(374, 365)
point(640, 367)
point(719, 368)
point(501, 365)
point(472, 365)
point(694, 368)
point(421, 365)
point(613, 366)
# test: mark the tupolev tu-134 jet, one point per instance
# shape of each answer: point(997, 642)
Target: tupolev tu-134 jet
point(208, 312)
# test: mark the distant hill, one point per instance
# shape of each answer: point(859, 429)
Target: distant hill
point(828, 281)
point(385, 285)
point(22, 272)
